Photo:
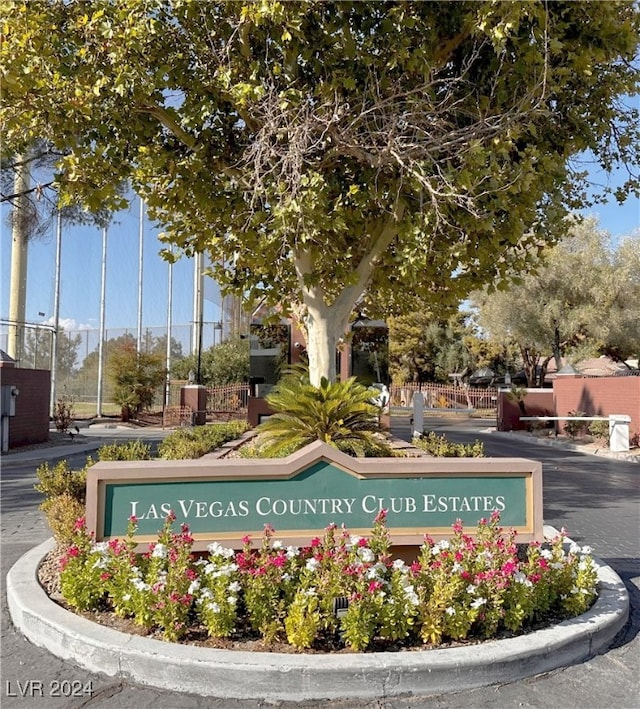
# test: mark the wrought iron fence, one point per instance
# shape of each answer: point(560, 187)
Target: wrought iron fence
point(443, 397)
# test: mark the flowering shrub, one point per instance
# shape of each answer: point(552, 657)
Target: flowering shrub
point(341, 588)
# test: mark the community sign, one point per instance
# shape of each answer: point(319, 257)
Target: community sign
point(225, 500)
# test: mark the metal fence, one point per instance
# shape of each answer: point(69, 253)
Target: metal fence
point(443, 397)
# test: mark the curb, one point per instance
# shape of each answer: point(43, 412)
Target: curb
point(628, 457)
point(296, 677)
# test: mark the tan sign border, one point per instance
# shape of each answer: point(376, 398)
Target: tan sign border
point(238, 469)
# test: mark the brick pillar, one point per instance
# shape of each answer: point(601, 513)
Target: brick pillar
point(195, 397)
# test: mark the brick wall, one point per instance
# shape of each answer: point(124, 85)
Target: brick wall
point(599, 396)
point(31, 422)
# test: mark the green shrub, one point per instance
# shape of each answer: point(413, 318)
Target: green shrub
point(338, 413)
point(61, 480)
point(440, 447)
point(599, 430)
point(63, 413)
point(195, 442)
point(62, 513)
point(575, 428)
point(130, 450)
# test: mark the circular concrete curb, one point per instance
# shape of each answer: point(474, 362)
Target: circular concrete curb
point(291, 677)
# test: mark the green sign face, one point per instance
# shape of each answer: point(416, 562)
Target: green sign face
point(316, 497)
point(299, 496)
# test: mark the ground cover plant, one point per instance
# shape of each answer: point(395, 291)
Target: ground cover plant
point(339, 591)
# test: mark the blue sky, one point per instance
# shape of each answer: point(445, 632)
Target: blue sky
point(81, 274)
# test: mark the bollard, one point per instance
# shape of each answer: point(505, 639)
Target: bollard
point(418, 414)
point(619, 432)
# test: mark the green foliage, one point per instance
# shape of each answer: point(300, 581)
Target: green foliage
point(599, 430)
point(303, 145)
point(61, 480)
point(338, 413)
point(425, 347)
point(575, 428)
point(581, 301)
point(136, 377)
point(63, 412)
point(461, 588)
point(226, 363)
point(62, 512)
point(129, 450)
point(195, 442)
point(440, 447)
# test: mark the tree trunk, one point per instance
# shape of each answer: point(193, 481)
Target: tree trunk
point(326, 322)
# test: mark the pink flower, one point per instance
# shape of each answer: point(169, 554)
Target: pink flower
point(246, 539)
point(80, 524)
point(73, 551)
point(381, 517)
point(171, 517)
point(362, 542)
point(105, 576)
point(315, 542)
point(133, 519)
point(374, 586)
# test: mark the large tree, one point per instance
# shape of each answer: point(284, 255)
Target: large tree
point(325, 152)
point(582, 300)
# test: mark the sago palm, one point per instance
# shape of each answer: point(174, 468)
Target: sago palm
point(338, 413)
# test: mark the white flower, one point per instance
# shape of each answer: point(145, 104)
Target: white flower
point(441, 546)
point(126, 597)
point(312, 564)
point(213, 607)
point(556, 565)
point(231, 600)
point(456, 567)
point(159, 551)
point(471, 588)
point(139, 585)
point(193, 586)
point(399, 565)
point(477, 602)
point(574, 548)
point(586, 550)
point(519, 577)
point(216, 549)
point(546, 554)
point(101, 547)
point(100, 563)
point(234, 586)
point(292, 552)
point(366, 554)
point(276, 544)
point(354, 540)
point(376, 571)
point(450, 610)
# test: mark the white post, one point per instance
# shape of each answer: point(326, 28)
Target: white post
point(619, 432)
point(56, 316)
point(167, 391)
point(418, 414)
point(140, 263)
point(103, 291)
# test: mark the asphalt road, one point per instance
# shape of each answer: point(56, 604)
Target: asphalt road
point(596, 499)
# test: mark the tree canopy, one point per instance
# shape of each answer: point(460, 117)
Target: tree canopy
point(330, 153)
point(582, 300)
